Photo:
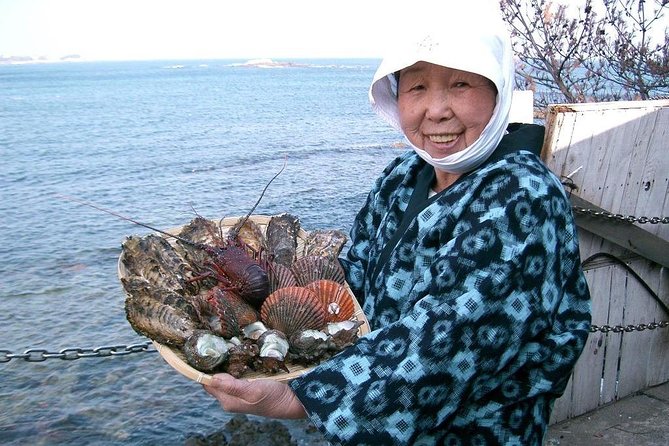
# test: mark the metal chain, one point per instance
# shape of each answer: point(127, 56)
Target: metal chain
point(68, 354)
point(629, 219)
point(621, 217)
point(628, 328)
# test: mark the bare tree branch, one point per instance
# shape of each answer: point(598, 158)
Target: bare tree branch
point(577, 56)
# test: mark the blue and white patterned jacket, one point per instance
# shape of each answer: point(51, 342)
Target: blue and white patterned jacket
point(477, 302)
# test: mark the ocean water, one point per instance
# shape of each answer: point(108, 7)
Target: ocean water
point(157, 141)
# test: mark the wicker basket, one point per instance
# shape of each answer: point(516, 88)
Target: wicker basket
point(176, 359)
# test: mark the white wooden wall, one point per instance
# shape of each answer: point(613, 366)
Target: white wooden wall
point(617, 155)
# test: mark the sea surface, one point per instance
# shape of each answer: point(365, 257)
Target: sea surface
point(158, 141)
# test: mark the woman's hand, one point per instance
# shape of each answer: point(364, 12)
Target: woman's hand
point(264, 397)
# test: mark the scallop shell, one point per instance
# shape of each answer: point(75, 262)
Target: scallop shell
point(324, 242)
point(280, 276)
point(293, 309)
point(153, 258)
point(311, 268)
point(336, 298)
point(249, 234)
point(282, 231)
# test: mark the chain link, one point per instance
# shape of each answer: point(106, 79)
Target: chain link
point(69, 354)
point(628, 328)
point(625, 218)
point(72, 353)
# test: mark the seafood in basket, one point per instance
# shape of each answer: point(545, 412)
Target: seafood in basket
point(255, 296)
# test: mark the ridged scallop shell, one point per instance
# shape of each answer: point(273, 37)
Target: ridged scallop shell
point(282, 231)
point(311, 268)
point(336, 298)
point(324, 242)
point(293, 309)
point(233, 312)
point(280, 276)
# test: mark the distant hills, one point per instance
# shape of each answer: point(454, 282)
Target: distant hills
point(41, 59)
point(268, 63)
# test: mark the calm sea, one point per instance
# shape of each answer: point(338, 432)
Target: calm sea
point(158, 141)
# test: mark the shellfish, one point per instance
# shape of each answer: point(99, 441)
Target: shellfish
point(280, 276)
point(281, 236)
point(293, 309)
point(241, 358)
point(162, 315)
point(154, 259)
point(324, 242)
point(254, 330)
point(308, 346)
point(343, 334)
point(250, 235)
point(205, 351)
point(273, 346)
point(227, 303)
point(336, 298)
point(311, 268)
point(199, 230)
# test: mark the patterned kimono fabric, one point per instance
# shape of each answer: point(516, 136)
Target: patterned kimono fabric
point(477, 302)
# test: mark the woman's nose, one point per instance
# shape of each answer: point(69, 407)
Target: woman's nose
point(438, 106)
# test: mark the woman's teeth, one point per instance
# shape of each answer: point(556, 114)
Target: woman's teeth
point(443, 138)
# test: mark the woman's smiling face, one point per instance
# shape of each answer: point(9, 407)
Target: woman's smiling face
point(443, 110)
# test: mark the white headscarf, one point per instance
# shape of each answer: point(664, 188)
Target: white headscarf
point(469, 36)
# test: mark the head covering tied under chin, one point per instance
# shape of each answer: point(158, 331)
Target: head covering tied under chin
point(468, 36)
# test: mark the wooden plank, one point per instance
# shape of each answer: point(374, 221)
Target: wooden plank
point(587, 379)
point(622, 233)
point(620, 149)
point(563, 405)
point(559, 131)
point(634, 350)
point(612, 340)
point(657, 369)
point(653, 197)
point(622, 161)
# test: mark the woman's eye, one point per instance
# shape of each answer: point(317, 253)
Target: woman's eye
point(460, 84)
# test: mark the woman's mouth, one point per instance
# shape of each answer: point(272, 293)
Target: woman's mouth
point(443, 139)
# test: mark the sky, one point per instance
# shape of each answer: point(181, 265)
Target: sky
point(192, 29)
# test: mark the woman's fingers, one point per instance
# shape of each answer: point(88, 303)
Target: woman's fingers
point(260, 397)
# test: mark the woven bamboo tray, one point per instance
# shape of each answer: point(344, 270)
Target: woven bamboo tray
point(177, 360)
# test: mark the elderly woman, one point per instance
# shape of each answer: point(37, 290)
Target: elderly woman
point(465, 257)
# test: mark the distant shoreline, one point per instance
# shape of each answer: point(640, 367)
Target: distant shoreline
point(238, 61)
point(17, 60)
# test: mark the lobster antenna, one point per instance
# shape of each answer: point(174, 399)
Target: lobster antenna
point(123, 217)
point(246, 217)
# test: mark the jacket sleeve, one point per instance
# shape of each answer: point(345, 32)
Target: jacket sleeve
point(366, 225)
point(504, 300)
